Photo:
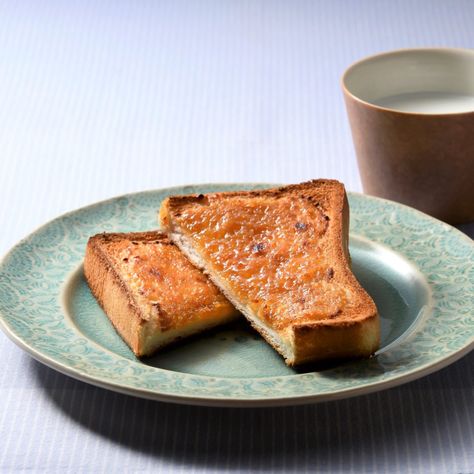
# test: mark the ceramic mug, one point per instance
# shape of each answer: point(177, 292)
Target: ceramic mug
point(412, 119)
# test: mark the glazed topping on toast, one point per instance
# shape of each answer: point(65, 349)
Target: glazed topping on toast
point(165, 282)
point(271, 250)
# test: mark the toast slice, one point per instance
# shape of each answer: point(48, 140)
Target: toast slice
point(151, 293)
point(281, 257)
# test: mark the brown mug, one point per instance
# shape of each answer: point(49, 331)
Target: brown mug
point(412, 119)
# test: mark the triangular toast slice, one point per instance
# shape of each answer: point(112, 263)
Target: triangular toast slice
point(281, 257)
point(149, 290)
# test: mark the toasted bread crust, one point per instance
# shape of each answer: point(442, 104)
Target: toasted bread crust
point(111, 292)
point(123, 307)
point(352, 333)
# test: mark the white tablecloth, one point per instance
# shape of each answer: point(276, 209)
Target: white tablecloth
point(100, 98)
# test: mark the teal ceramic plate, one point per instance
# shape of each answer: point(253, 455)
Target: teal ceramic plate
point(419, 271)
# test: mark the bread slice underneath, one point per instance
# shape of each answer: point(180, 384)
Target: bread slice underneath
point(281, 257)
point(151, 293)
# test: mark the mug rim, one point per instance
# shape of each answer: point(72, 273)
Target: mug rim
point(395, 52)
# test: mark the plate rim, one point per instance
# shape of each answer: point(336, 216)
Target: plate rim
point(209, 400)
point(238, 402)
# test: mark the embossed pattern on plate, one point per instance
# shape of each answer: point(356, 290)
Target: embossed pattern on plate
point(419, 270)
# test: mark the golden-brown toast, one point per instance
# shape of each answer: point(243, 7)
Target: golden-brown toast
point(281, 257)
point(151, 293)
